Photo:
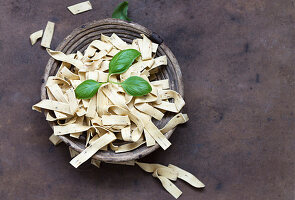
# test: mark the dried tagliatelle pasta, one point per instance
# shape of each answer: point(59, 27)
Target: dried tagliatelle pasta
point(112, 119)
point(47, 35)
point(80, 7)
point(171, 173)
point(35, 36)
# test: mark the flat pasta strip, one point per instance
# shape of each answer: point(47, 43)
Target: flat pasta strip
point(137, 42)
point(146, 48)
point(57, 55)
point(47, 35)
point(167, 106)
point(104, 65)
point(137, 68)
point(178, 100)
point(95, 162)
point(91, 110)
point(129, 146)
point(81, 112)
point(57, 93)
point(35, 36)
point(73, 153)
point(92, 149)
point(56, 80)
point(121, 111)
point(176, 120)
point(66, 73)
point(114, 97)
point(71, 128)
point(150, 141)
point(52, 105)
point(72, 100)
point(166, 172)
point(80, 7)
point(102, 103)
point(162, 60)
point(150, 110)
point(186, 176)
point(76, 135)
point(115, 120)
point(126, 134)
point(55, 139)
point(163, 84)
point(104, 38)
point(149, 167)
point(58, 115)
point(67, 121)
point(156, 134)
point(113, 52)
point(169, 186)
point(118, 42)
point(102, 46)
point(99, 55)
point(50, 118)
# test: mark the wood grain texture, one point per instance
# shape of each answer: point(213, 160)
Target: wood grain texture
point(80, 38)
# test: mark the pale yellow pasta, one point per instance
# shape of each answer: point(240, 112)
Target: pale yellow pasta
point(73, 153)
point(186, 176)
point(145, 48)
point(72, 100)
point(57, 55)
point(118, 42)
point(150, 141)
point(129, 146)
point(47, 35)
point(52, 105)
point(55, 139)
point(80, 7)
point(57, 93)
point(176, 120)
point(172, 172)
point(92, 149)
point(35, 36)
point(162, 60)
point(71, 128)
point(115, 120)
point(91, 110)
point(95, 162)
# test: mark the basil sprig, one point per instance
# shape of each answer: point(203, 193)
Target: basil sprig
point(134, 85)
point(120, 11)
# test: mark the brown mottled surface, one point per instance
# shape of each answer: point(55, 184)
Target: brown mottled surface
point(238, 63)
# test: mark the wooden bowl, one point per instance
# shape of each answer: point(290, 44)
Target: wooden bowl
point(80, 38)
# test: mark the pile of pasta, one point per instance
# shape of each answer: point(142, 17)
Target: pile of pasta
point(111, 120)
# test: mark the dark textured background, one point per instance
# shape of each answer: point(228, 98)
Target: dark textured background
point(237, 59)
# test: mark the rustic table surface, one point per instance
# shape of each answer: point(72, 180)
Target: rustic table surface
point(238, 64)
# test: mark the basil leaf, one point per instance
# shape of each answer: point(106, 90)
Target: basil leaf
point(120, 11)
point(87, 89)
point(122, 61)
point(136, 86)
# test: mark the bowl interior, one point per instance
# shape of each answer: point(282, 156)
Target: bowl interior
point(80, 38)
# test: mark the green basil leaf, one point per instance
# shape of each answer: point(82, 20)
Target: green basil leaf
point(120, 11)
point(87, 89)
point(136, 86)
point(122, 61)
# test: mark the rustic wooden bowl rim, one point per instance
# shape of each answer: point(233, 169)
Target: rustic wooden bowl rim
point(111, 156)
